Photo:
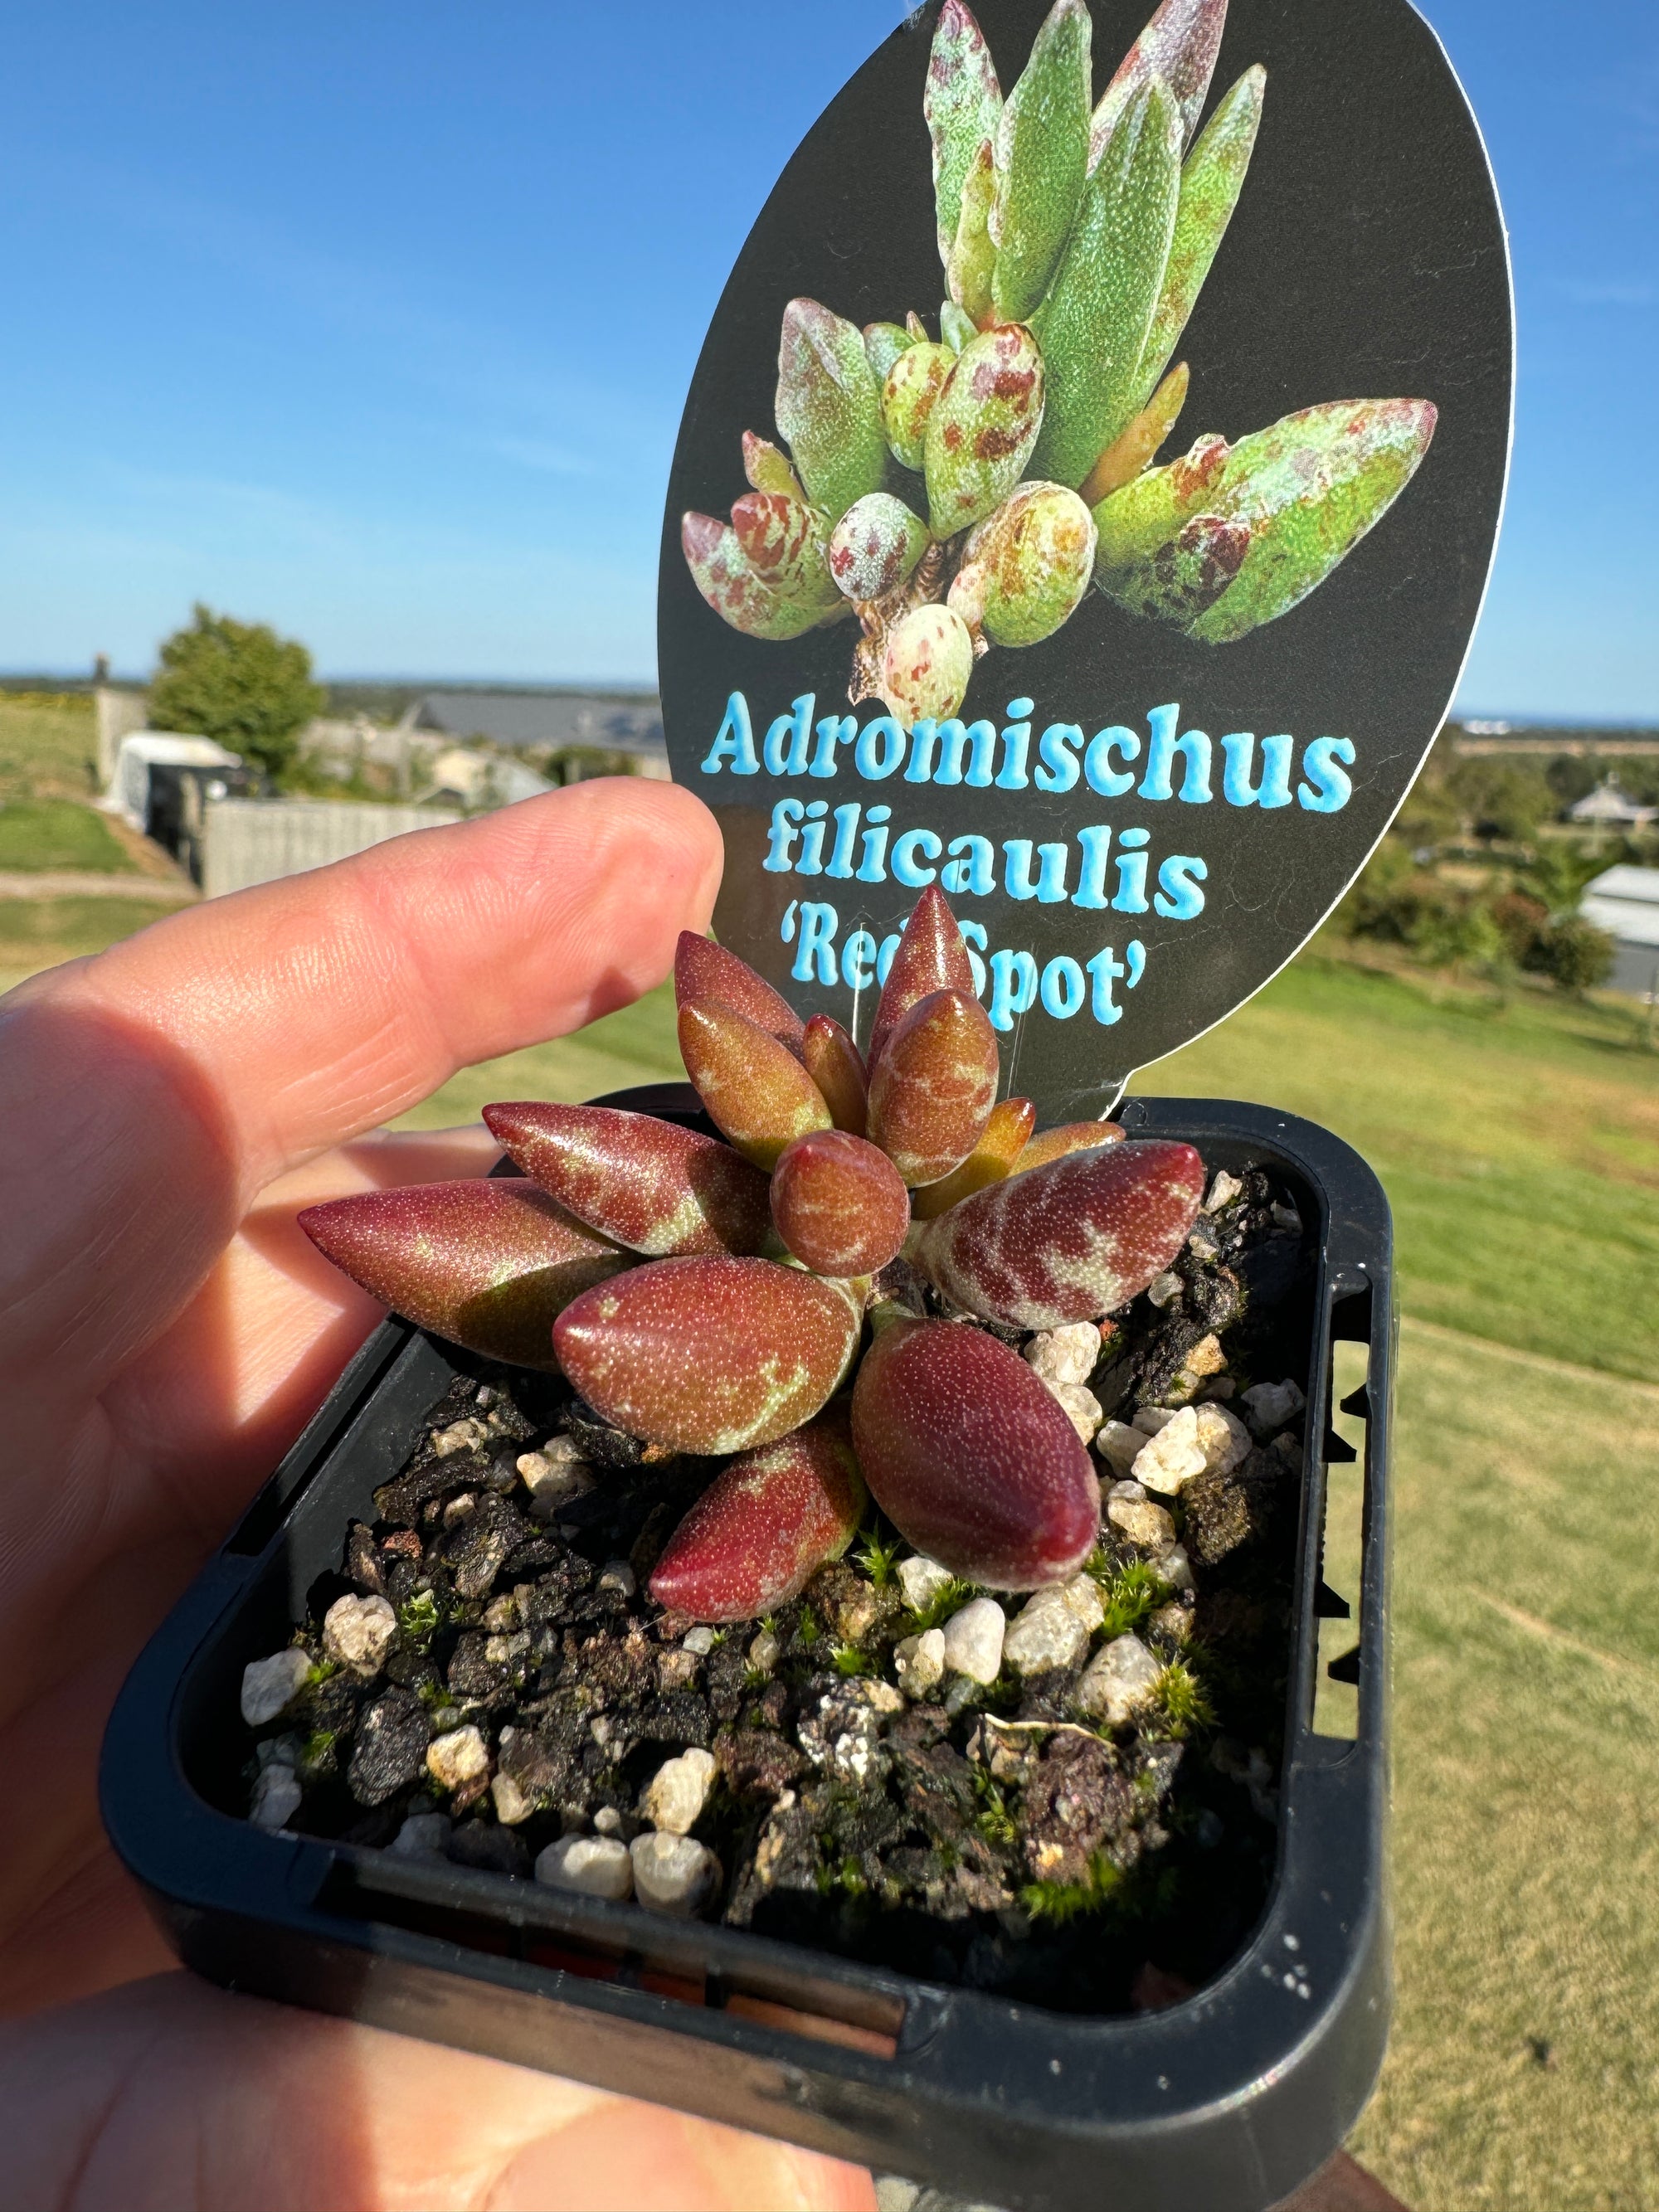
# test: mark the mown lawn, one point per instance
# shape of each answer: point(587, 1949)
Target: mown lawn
point(48, 745)
point(39, 834)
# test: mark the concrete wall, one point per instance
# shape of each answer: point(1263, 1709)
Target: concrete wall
point(120, 715)
point(255, 841)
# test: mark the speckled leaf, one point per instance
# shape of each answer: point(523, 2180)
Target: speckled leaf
point(734, 588)
point(834, 1063)
point(930, 956)
point(875, 546)
point(1133, 523)
point(768, 470)
point(651, 1185)
point(1310, 488)
point(956, 328)
point(883, 344)
point(1180, 44)
point(829, 407)
point(1136, 447)
point(932, 1089)
point(1003, 1138)
point(962, 102)
point(983, 427)
point(1027, 567)
point(908, 397)
point(1190, 574)
point(1069, 1137)
point(708, 1355)
point(971, 1458)
point(704, 969)
point(1042, 157)
point(757, 1091)
point(764, 1526)
point(779, 542)
point(1092, 327)
point(1068, 1242)
point(839, 1204)
point(487, 1263)
point(970, 268)
point(1211, 178)
point(926, 660)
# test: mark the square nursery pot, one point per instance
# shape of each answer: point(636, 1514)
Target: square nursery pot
point(1227, 2096)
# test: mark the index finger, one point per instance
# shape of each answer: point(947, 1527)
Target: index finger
point(146, 1095)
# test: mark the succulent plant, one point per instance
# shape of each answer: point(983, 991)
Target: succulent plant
point(715, 1299)
point(958, 493)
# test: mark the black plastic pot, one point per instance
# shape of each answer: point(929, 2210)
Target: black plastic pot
point(1227, 2101)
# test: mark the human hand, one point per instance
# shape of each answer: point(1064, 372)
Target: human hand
point(165, 1333)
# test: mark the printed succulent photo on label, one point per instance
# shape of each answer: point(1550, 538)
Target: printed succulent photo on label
point(1084, 503)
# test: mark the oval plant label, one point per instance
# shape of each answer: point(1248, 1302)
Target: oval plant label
point(1084, 501)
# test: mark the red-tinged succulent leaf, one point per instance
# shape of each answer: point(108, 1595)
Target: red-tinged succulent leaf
point(1069, 1137)
point(834, 1064)
point(929, 956)
point(764, 1527)
point(1179, 45)
point(710, 1354)
point(650, 1185)
point(971, 1457)
point(757, 1093)
point(1068, 1242)
point(1004, 1138)
point(839, 1204)
point(488, 1263)
point(932, 1090)
point(703, 970)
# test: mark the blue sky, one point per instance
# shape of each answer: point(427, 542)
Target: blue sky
point(376, 321)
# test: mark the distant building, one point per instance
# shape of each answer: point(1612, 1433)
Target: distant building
point(1624, 902)
point(1607, 807)
point(550, 721)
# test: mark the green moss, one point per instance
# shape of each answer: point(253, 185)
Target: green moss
point(1129, 1593)
point(993, 1819)
point(935, 1614)
point(1181, 1700)
point(877, 1554)
point(849, 1660)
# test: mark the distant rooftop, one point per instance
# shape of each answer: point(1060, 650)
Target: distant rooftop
point(534, 721)
point(1608, 803)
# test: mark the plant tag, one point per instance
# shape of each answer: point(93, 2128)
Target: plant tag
point(1084, 501)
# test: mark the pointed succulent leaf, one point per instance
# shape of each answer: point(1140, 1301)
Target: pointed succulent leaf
point(1003, 1138)
point(970, 266)
point(883, 344)
point(1309, 489)
point(983, 426)
point(1184, 578)
point(1211, 178)
point(767, 469)
point(829, 407)
point(1148, 512)
point(875, 546)
point(1180, 44)
point(779, 538)
point(1134, 447)
point(1042, 157)
point(764, 1526)
point(709, 1354)
point(962, 103)
point(927, 661)
point(834, 1063)
point(722, 572)
point(757, 1091)
point(1068, 1242)
point(917, 328)
point(956, 328)
point(933, 1087)
point(704, 969)
point(1028, 565)
point(651, 1185)
point(488, 1263)
point(839, 1204)
point(971, 1457)
point(1069, 1137)
point(1093, 324)
point(930, 956)
point(908, 398)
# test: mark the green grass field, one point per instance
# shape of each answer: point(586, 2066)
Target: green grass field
point(59, 833)
point(48, 745)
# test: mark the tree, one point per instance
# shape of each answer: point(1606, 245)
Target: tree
point(238, 682)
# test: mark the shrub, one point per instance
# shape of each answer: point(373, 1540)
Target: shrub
point(1575, 954)
point(238, 682)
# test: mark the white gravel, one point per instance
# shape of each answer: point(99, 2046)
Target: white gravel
point(270, 1685)
point(598, 1866)
point(1051, 1629)
point(1133, 1514)
point(1067, 1354)
point(460, 1756)
point(357, 1633)
point(1118, 1680)
point(674, 1873)
point(1167, 1461)
point(423, 1836)
point(1272, 1404)
point(918, 1662)
point(676, 1793)
point(277, 1796)
point(922, 1580)
point(974, 1640)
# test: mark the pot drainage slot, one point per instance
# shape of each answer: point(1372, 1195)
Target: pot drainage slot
point(1336, 1680)
point(826, 2012)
